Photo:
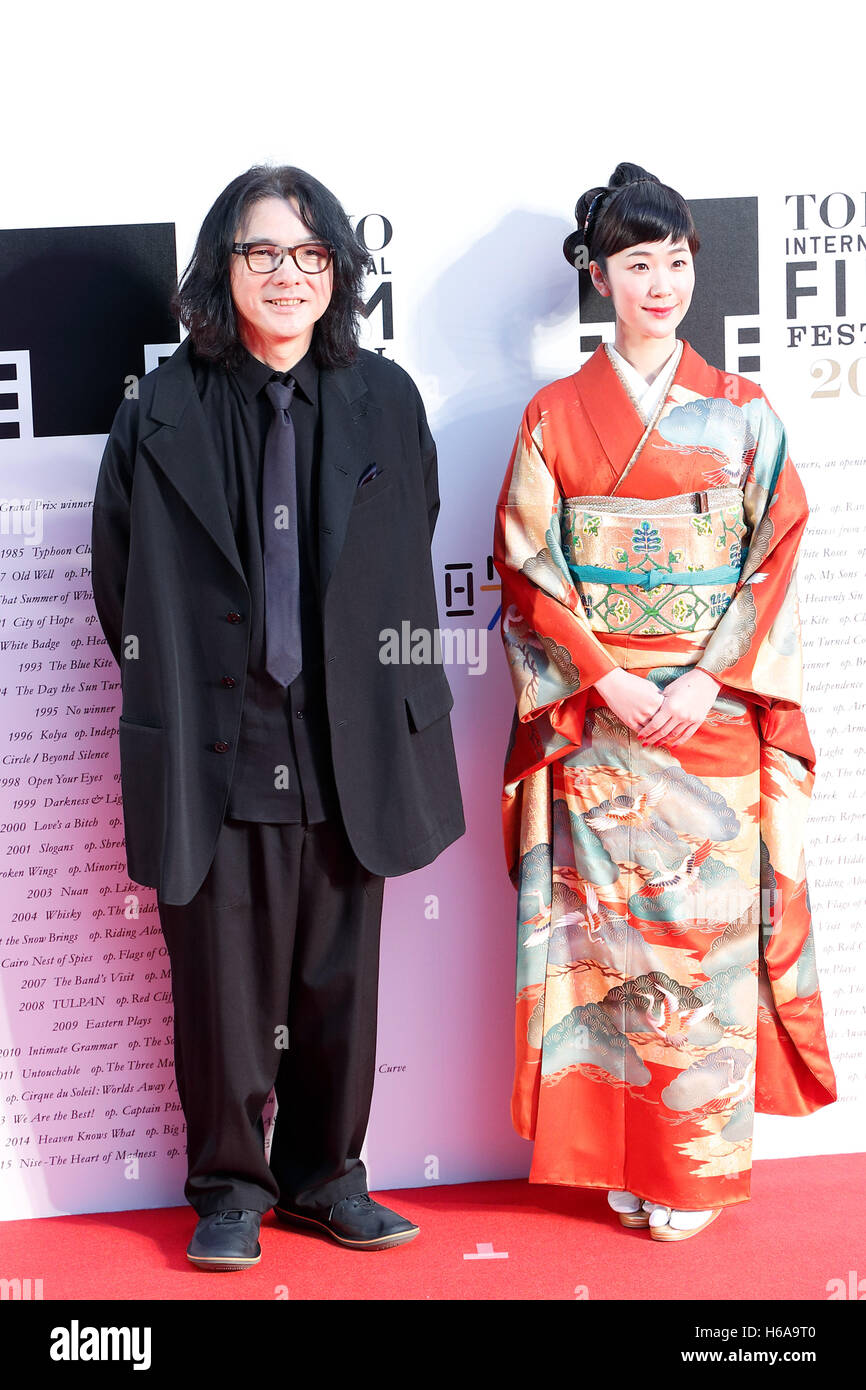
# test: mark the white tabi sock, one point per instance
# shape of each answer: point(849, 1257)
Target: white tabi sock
point(679, 1220)
point(623, 1201)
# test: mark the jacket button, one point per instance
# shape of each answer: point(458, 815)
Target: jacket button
point(233, 618)
point(229, 682)
point(221, 746)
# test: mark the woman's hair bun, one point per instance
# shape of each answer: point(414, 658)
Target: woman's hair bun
point(667, 207)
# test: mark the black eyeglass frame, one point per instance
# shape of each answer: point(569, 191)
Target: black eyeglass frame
point(243, 248)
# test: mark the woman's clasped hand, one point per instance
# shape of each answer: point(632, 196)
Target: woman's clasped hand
point(673, 719)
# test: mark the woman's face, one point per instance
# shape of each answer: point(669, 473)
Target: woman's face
point(651, 285)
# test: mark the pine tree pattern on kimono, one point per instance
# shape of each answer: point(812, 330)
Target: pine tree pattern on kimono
point(666, 977)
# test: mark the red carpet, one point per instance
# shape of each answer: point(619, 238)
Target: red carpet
point(804, 1226)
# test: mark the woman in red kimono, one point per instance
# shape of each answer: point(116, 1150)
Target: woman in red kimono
point(659, 772)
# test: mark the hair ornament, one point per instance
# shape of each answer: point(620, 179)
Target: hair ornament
point(603, 194)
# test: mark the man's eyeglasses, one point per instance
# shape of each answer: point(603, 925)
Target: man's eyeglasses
point(311, 257)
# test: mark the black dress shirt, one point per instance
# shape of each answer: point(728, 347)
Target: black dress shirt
point(283, 769)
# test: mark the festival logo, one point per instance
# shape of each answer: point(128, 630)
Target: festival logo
point(375, 232)
point(84, 310)
point(824, 294)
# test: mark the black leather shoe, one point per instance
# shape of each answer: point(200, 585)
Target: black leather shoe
point(226, 1240)
point(357, 1221)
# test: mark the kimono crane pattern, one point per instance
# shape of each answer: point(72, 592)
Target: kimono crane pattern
point(666, 974)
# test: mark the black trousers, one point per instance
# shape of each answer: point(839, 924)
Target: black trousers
point(275, 967)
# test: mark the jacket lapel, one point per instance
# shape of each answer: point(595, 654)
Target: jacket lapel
point(182, 445)
point(348, 417)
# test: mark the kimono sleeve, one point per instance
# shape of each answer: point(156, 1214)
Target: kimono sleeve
point(109, 540)
point(756, 646)
point(551, 648)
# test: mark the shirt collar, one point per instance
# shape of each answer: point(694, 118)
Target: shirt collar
point(252, 375)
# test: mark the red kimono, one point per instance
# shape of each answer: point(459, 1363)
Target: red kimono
point(666, 980)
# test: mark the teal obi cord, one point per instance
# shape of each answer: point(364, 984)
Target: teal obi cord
point(651, 579)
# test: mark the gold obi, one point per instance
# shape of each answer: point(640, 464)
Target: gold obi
point(648, 567)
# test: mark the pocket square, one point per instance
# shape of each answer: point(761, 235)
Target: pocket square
point(368, 475)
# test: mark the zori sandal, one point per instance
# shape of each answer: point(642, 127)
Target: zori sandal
point(669, 1232)
point(623, 1203)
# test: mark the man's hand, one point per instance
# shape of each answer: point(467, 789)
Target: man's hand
point(633, 699)
point(685, 706)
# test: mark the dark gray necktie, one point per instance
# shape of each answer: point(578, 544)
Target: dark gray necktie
point(280, 532)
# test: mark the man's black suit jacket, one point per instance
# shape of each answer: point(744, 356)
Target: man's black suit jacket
point(173, 603)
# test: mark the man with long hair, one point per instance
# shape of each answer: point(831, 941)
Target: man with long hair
point(264, 508)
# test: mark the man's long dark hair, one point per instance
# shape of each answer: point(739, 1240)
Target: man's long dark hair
point(203, 301)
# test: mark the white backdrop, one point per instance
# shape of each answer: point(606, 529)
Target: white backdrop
point(472, 129)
